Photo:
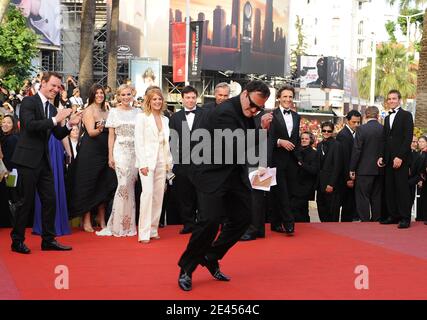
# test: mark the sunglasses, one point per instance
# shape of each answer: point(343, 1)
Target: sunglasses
point(253, 105)
point(327, 131)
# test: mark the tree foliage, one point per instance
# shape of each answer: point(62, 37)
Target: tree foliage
point(299, 48)
point(393, 71)
point(18, 45)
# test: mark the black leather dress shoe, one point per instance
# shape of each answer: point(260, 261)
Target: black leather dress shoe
point(404, 224)
point(289, 228)
point(214, 270)
point(278, 229)
point(54, 246)
point(20, 247)
point(247, 237)
point(390, 220)
point(184, 281)
point(186, 230)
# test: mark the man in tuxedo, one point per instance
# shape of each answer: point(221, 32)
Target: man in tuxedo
point(222, 93)
point(395, 157)
point(39, 119)
point(223, 186)
point(346, 139)
point(183, 123)
point(364, 169)
point(284, 141)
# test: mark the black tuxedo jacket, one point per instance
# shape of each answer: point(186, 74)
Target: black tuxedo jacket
point(346, 140)
point(366, 149)
point(332, 166)
point(280, 157)
point(307, 172)
point(418, 162)
point(397, 140)
point(208, 178)
point(176, 122)
point(35, 133)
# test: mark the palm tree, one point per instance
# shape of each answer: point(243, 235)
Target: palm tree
point(86, 47)
point(3, 7)
point(393, 71)
point(421, 114)
point(112, 45)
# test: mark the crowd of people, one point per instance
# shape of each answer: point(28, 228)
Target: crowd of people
point(109, 160)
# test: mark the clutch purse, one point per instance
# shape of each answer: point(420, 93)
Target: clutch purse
point(12, 179)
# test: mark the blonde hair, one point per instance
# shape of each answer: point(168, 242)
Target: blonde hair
point(149, 97)
point(122, 88)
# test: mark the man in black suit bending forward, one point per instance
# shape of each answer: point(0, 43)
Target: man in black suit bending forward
point(39, 119)
point(223, 187)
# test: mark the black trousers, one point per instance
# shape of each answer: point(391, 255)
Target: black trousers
point(368, 195)
point(397, 192)
point(281, 198)
point(328, 206)
point(233, 199)
point(259, 209)
point(186, 197)
point(30, 180)
point(348, 204)
point(299, 208)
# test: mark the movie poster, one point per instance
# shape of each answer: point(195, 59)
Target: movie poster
point(44, 17)
point(245, 36)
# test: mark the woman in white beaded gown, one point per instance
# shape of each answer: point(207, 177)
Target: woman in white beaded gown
point(121, 158)
point(153, 160)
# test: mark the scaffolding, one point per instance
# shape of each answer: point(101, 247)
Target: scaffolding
point(70, 48)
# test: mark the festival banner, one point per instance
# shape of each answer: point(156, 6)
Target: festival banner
point(178, 50)
point(195, 53)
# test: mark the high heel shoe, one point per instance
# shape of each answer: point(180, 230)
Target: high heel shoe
point(155, 238)
point(144, 241)
point(88, 229)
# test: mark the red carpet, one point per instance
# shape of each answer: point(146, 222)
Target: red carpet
point(318, 263)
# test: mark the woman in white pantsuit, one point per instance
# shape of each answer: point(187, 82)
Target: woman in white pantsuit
point(153, 160)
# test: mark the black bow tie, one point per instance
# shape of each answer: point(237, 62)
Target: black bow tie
point(391, 112)
point(286, 112)
point(188, 112)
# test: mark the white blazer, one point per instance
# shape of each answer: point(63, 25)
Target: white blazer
point(147, 142)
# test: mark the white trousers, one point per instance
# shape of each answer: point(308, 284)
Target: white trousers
point(153, 188)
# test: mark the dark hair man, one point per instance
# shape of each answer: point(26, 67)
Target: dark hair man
point(284, 141)
point(187, 119)
point(39, 119)
point(330, 163)
point(346, 139)
point(222, 188)
point(395, 157)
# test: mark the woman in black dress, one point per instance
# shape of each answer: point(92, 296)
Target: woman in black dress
point(8, 140)
point(308, 168)
point(94, 182)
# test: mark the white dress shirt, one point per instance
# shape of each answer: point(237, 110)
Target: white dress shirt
point(190, 117)
point(353, 133)
point(393, 116)
point(288, 120)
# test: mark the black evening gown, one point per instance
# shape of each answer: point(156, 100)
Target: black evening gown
point(93, 181)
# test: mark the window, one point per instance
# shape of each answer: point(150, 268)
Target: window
point(360, 63)
point(360, 44)
point(360, 28)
